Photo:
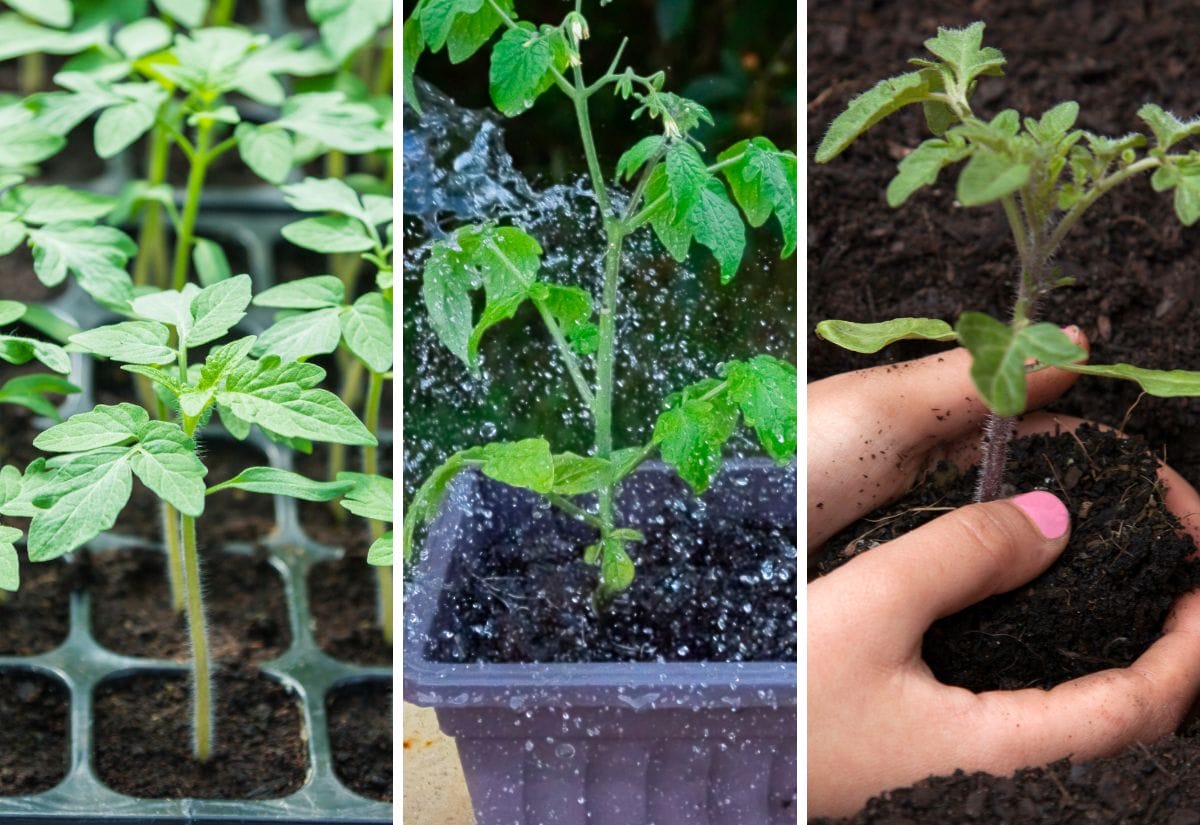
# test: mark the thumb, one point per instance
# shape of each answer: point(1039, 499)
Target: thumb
point(962, 558)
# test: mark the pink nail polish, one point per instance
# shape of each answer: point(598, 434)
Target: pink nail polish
point(1045, 511)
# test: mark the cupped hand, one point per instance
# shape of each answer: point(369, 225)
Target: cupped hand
point(877, 717)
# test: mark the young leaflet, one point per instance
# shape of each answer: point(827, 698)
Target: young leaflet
point(1046, 174)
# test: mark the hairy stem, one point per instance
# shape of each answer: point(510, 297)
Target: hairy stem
point(202, 711)
point(150, 267)
point(170, 522)
point(191, 207)
point(371, 467)
point(31, 70)
point(997, 432)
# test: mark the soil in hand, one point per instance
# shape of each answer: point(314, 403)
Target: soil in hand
point(1100, 605)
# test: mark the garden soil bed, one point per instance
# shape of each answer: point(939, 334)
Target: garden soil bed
point(715, 590)
point(1137, 297)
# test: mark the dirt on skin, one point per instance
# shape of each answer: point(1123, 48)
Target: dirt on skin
point(1137, 297)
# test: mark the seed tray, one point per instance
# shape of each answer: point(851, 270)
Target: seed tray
point(81, 663)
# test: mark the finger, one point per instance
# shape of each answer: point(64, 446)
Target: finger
point(954, 561)
point(1104, 712)
point(870, 432)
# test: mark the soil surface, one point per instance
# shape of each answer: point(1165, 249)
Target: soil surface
point(144, 740)
point(712, 590)
point(360, 727)
point(342, 598)
point(1100, 605)
point(37, 617)
point(131, 606)
point(33, 732)
point(1137, 297)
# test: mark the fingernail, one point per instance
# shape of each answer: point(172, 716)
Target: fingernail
point(1069, 329)
point(1045, 511)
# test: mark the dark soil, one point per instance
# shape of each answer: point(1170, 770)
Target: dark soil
point(342, 599)
point(1156, 784)
point(711, 590)
point(18, 281)
point(33, 733)
point(1100, 605)
point(144, 741)
point(131, 607)
point(1137, 298)
point(37, 617)
point(360, 727)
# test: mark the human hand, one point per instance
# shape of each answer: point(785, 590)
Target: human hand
point(877, 716)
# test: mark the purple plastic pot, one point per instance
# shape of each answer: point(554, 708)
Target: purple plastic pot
point(690, 743)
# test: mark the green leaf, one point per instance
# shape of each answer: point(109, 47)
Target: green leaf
point(869, 338)
point(56, 13)
point(10, 564)
point(166, 462)
point(1055, 123)
point(411, 48)
point(764, 388)
point(215, 309)
point(572, 308)
point(526, 463)
point(302, 335)
point(16, 350)
point(446, 289)
point(267, 150)
point(142, 37)
point(493, 313)
point(674, 233)
point(317, 292)
point(130, 342)
point(998, 362)
point(989, 176)
point(575, 475)
point(922, 166)
point(330, 234)
point(333, 121)
point(998, 357)
point(638, 155)
point(369, 497)
point(119, 126)
point(962, 50)
point(690, 435)
point(520, 69)
point(349, 25)
point(763, 181)
point(715, 223)
point(84, 507)
point(1160, 383)
point(96, 255)
point(616, 569)
point(380, 552)
point(104, 426)
point(211, 264)
point(1167, 128)
point(1187, 195)
point(277, 482)
point(189, 12)
point(30, 391)
point(259, 394)
point(687, 177)
point(469, 31)
point(50, 204)
point(325, 195)
point(437, 18)
point(367, 329)
point(10, 311)
point(870, 107)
